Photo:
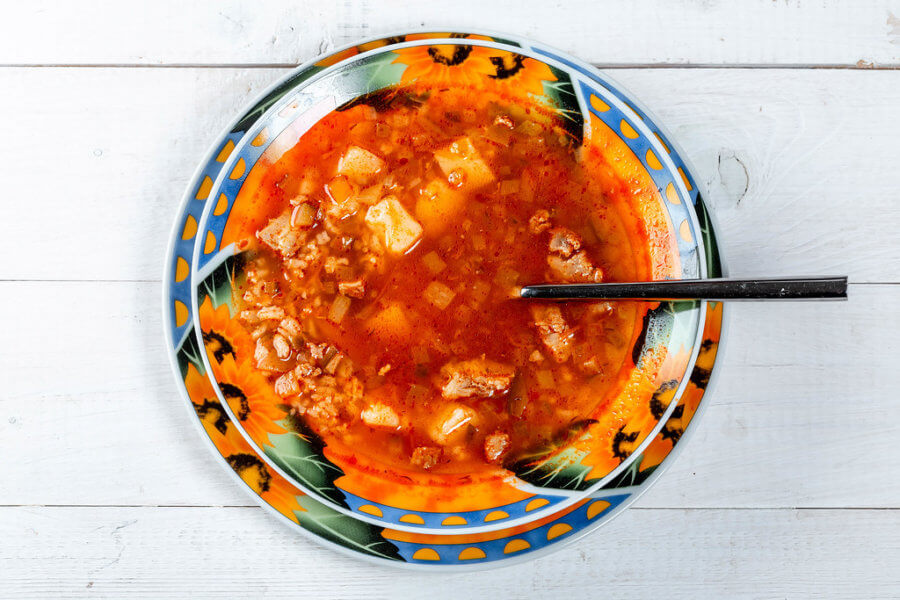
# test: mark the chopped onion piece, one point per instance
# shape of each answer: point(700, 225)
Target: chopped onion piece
point(433, 262)
point(439, 294)
point(339, 308)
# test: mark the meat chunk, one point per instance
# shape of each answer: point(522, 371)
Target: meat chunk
point(477, 377)
point(396, 229)
point(355, 289)
point(380, 415)
point(564, 242)
point(426, 457)
point(554, 331)
point(281, 237)
point(495, 446)
point(567, 259)
point(539, 221)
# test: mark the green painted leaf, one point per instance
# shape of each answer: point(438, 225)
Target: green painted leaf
point(300, 454)
point(561, 94)
point(344, 530)
point(546, 466)
point(271, 98)
point(373, 73)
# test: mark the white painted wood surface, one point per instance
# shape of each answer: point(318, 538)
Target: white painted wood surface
point(790, 486)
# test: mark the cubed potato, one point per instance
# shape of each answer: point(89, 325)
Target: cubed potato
point(396, 228)
point(462, 155)
point(380, 415)
point(450, 424)
point(360, 165)
point(438, 205)
point(390, 323)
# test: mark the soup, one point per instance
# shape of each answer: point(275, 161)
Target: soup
point(382, 280)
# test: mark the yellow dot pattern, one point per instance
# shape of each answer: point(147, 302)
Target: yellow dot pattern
point(414, 519)
point(371, 510)
point(684, 230)
point(225, 152)
point(597, 507)
point(181, 313)
point(221, 205)
point(652, 161)
point(536, 503)
point(454, 520)
point(516, 545)
point(261, 138)
point(182, 270)
point(672, 194)
point(472, 553)
point(687, 183)
point(203, 190)
point(190, 228)
point(496, 515)
point(627, 130)
point(598, 104)
point(426, 554)
point(558, 530)
point(210, 244)
point(238, 169)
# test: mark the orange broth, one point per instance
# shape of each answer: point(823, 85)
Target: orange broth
point(390, 244)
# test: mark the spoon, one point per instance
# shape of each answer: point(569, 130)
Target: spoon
point(788, 288)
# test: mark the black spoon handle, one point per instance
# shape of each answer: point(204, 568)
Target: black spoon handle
point(788, 288)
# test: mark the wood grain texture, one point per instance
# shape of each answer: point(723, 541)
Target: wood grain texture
point(799, 418)
point(211, 552)
point(800, 163)
point(608, 32)
point(790, 485)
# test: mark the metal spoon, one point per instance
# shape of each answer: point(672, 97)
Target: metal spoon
point(789, 288)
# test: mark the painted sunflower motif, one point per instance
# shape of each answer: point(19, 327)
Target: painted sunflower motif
point(519, 72)
point(222, 335)
point(270, 486)
point(446, 64)
point(251, 398)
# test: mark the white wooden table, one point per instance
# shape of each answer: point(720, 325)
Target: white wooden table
point(791, 485)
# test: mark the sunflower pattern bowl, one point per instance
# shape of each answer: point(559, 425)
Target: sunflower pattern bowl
point(294, 474)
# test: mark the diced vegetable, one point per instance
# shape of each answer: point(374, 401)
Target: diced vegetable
point(438, 204)
point(397, 229)
point(509, 186)
point(339, 308)
point(380, 415)
point(544, 378)
point(506, 277)
point(461, 154)
point(390, 323)
point(433, 262)
point(303, 216)
point(480, 291)
point(450, 423)
point(439, 294)
point(360, 165)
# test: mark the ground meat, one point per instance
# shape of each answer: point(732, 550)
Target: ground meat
point(355, 289)
point(426, 457)
point(539, 221)
point(554, 331)
point(495, 446)
point(281, 237)
point(477, 377)
point(568, 261)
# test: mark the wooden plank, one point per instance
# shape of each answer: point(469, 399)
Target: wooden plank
point(663, 32)
point(800, 163)
point(235, 552)
point(802, 414)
